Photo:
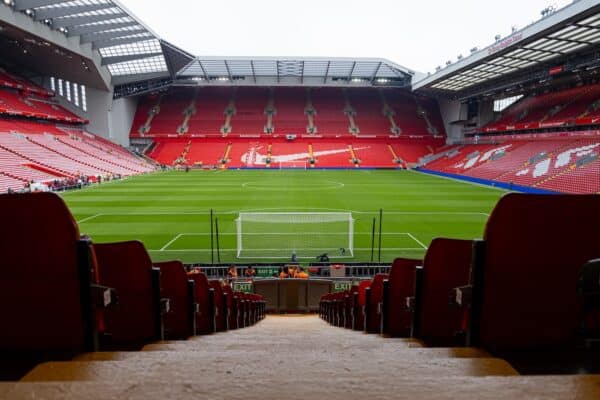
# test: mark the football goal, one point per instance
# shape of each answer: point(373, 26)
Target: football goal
point(304, 235)
point(292, 165)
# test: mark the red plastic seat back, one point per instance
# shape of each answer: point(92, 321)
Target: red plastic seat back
point(40, 300)
point(535, 248)
point(219, 305)
point(401, 285)
point(362, 286)
point(127, 267)
point(447, 265)
point(376, 287)
point(204, 313)
point(174, 286)
point(232, 320)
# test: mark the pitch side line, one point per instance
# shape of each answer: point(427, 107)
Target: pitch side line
point(293, 233)
point(291, 210)
point(417, 240)
point(89, 218)
point(460, 181)
point(333, 256)
point(171, 241)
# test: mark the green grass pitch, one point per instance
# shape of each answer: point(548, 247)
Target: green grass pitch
point(169, 212)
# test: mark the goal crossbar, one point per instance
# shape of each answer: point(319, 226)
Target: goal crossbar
point(292, 164)
point(303, 235)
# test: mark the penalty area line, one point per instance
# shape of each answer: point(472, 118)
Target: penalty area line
point(89, 218)
point(416, 240)
point(274, 250)
point(170, 242)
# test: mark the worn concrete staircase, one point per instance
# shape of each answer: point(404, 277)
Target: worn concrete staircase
point(293, 357)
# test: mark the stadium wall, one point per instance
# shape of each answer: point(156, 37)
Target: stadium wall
point(487, 182)
point(450, 111)
point(98, 105)
point(121, 119)
point(110, 119)
point(486, 112)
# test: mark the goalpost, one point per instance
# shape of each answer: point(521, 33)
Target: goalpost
point(292, 164)
point(280, 235)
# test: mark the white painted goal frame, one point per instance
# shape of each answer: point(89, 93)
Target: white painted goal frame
point(293, 164)
point(280, 235)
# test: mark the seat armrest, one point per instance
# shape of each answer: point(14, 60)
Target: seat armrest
point(165, 306)
point(103, 296)
point(462, 296)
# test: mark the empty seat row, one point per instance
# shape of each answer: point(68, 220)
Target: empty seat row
point(247, 111)
point(63, 295)
point(514, 293)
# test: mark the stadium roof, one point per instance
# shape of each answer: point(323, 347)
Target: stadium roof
point(126, 45)
point(276, 71)
point(136, 59)
point(102, 31)
point(295, 69)
point(544, 44)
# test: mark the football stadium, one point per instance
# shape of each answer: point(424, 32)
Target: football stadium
point(183, 226)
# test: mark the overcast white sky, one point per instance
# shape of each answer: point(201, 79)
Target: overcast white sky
point(418, 34)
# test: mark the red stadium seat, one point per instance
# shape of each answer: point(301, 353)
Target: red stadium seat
point(219, 306)
point(360, 304)
point(373, 306)
point(231, 307)
point(204, 303)
point(348, 308)
point(526, 270)
point(44, 281)
point(178, 323)
point(401, 285)
point(447, 265)
point(135, 321)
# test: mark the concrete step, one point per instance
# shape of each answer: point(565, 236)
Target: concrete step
point(344, 388)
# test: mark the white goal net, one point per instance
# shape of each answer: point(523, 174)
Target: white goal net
point(292, 164)
point(303, 235)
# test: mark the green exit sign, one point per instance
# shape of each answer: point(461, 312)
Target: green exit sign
point(341, 286)
point(267, 272)
point(245, 287)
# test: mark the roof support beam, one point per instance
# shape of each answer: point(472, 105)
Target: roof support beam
point(351, 71)
point(277, 68)
point(570, 41)
point(128, 57)
point(587, 26)
point(253, 71)
point(228, 70)
point(57, 12)
point(203, 70)
point(118, 42)
point(326, 72)
point(97, 28)
point(84, 19)
point(94, 37)
point(374, 75)
point(124, 79)
point(302, 73)
point(21, 5)
point(539, 50)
